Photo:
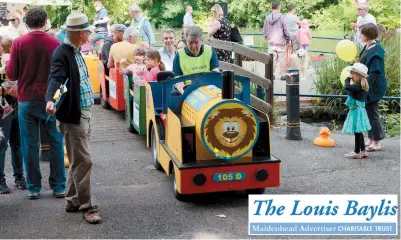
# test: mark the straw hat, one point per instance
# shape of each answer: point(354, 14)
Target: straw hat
point(14, 15)
point(360, 69)
point(77, 22)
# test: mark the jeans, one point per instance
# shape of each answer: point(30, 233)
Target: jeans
point(11, 131)
point(31, 115)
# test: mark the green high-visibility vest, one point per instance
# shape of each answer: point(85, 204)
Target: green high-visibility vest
point(199, 64)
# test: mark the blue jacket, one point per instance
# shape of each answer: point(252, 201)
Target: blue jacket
point(145, 30)
point(374, 59)
point(61, 35)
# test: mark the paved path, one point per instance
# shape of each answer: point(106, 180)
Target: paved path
point(136, 201)
point(306, 86)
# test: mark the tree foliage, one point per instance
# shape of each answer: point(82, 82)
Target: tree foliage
point(324, 14)
point(340, 16)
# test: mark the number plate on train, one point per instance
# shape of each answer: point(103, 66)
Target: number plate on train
point(229, 176)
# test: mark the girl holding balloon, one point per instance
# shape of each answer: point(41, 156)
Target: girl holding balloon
point(357, 120)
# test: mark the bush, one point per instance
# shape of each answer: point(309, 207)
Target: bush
point(340, 16)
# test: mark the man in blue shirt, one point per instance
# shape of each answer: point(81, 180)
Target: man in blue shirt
point(142, 24)
point(101, 17)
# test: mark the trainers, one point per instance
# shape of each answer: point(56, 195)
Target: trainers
point(33, 195)
point(59, 194)
point(353, 155)
point(3, 187)
point(20, 182)
point(92, 216)
point(71, 207)
point(364, 154)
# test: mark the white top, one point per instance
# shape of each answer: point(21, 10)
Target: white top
point(188, 19)
point(368, 18)
point(167, 59)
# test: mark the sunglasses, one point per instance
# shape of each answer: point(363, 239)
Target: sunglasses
point(360, 9)
point(12, 20)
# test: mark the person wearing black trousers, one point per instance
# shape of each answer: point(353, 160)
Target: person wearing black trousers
point(372, 56)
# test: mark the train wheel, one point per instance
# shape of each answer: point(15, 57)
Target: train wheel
point(255, 191)
point(128, 121)
point(177, 195)
point(155, 159)
point(104, 103)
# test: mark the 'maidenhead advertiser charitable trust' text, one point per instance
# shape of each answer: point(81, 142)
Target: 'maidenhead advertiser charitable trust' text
point(324, 228)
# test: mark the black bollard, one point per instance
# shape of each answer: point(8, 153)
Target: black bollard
point(227, 91)
point(293, 105)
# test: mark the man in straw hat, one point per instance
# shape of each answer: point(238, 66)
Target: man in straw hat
point(33, 51)
point(17, 27)
point(74, 114)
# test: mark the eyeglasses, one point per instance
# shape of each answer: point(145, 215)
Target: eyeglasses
point(12, 20)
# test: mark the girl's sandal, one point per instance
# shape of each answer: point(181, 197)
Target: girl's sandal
point(373, 149)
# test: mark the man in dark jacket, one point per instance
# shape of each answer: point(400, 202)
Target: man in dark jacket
point(73, 114)
point(117, 32)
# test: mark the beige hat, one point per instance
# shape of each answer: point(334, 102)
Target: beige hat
point(77, 22)
point(14, 15)
point(360, 69)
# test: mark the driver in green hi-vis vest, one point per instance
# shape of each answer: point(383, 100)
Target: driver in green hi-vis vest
point(194, 58)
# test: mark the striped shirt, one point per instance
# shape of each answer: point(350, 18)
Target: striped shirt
point(87, 98)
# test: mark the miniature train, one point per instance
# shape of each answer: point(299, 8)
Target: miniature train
point(209, 138)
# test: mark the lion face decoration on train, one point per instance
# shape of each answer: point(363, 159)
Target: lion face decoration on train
point(231, 132)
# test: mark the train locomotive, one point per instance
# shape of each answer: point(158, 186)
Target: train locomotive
point(209, 138)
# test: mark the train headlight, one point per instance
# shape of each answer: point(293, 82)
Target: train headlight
point(261, 175)
point(199, 179)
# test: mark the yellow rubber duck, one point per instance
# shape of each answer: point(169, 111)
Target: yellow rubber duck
point(324, 140)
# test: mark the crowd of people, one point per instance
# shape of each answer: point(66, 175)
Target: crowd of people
point(50, 61)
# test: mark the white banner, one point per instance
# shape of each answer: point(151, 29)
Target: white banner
point(113, 89)
point(323, 214)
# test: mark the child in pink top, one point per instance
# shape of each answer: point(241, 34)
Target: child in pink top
point(138, 69)
point(304, 34)
point(154, 65)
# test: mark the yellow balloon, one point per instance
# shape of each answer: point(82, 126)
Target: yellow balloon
point(346, 50)
point(344, 74)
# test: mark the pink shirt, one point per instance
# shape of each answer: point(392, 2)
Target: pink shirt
point(151, 76)
point(304, 36)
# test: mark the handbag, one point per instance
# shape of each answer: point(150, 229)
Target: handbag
point(235, 34)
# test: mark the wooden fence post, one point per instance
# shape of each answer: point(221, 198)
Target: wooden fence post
point(238, 59)
point(269, 98)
